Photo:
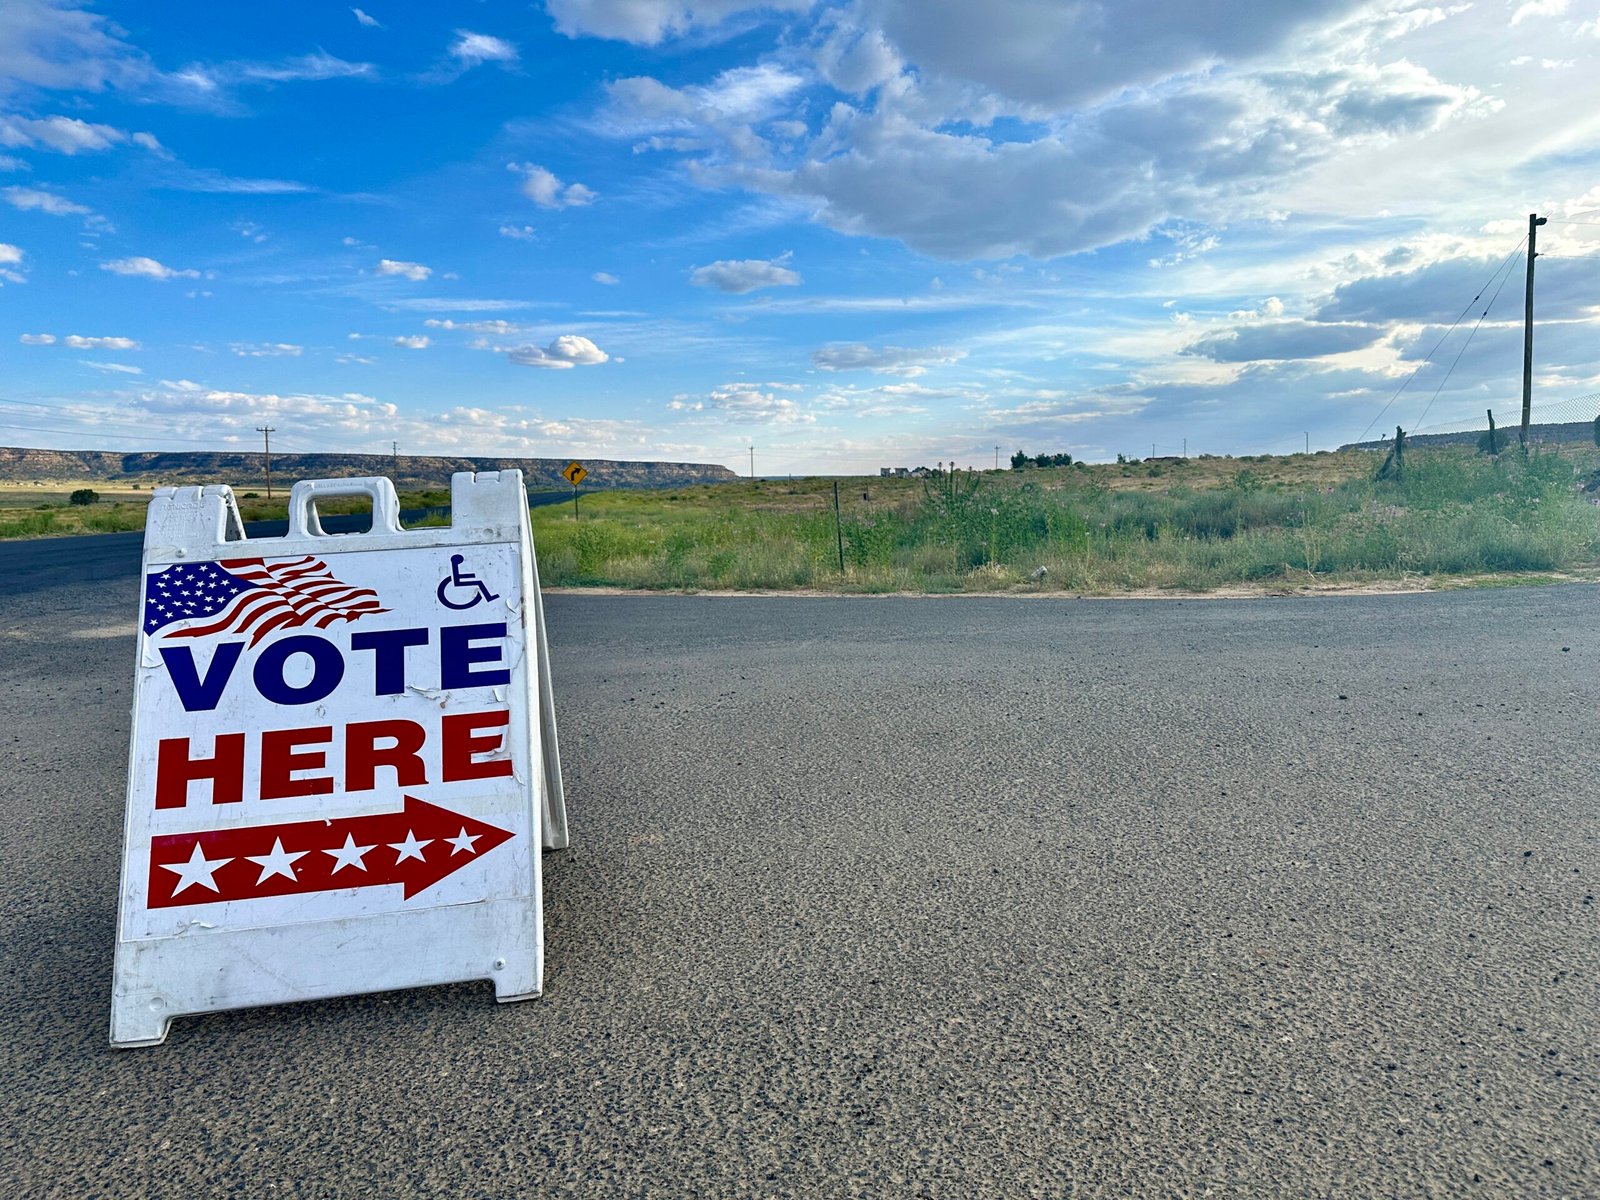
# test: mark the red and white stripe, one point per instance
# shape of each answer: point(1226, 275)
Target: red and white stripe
point(287, 595)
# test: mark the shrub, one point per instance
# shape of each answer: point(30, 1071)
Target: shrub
point(84, 496)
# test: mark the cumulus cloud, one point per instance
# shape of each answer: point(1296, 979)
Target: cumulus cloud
point(147, 268)
point(69, 135)
point(606, 278)
point(78, 342)
point(415, 272)
point(418, 341)
point(518, 233)
point(649, 22)
point(370, 22)
point(266, 349)
point(10, 260)
point(888, 360)
point(745, 402)
point(474, 49)
point(38, 339)
point(1284, 340)
point(501, 328)
point(742, 275)
point(568, 350)
point(34, 200)
point(1538, 8)
point(737, 96)
point(49, 45)
point(544, 189)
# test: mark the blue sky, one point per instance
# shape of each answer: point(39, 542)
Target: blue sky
point(853, 235)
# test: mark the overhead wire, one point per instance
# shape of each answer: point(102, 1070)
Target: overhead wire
point(1474, 333)
point(1429, 356)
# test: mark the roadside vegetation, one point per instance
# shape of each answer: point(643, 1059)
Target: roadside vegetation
point(1180, 524)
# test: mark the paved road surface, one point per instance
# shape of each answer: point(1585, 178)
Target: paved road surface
point(943, 898)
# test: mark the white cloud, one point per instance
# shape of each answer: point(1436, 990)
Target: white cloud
point(568, 350)
point(10, 259)
point(739, 276)
point(502, 328)
point(78, 342)
point(606, 278)
point(146, 268)
point(745, 402)
point(415, 272)
point(519, 233)
point(1538, 8)
point(474, 49)
point(418, 341)
point(888, 360)
point(66, 135)
point(49, 45)
point(369, 21)
point(446, 304)
point(266, 349)
point(306, 67)
point(648, 22)
point(32, 199)
point(118, 368)
point(544, 189)
point(38, 339)
point(737, 96)
point(207, 181)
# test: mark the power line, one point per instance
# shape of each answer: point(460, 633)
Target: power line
point(1429, 356)
point(1464, 345)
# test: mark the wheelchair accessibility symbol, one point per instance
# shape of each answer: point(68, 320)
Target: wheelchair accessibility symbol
point(469, 590)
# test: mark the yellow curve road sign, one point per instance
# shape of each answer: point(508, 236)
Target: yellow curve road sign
point(575, 473)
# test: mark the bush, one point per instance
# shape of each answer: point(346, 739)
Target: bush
point(84, 496)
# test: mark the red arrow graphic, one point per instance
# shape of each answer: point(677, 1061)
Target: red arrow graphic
point(416, 847)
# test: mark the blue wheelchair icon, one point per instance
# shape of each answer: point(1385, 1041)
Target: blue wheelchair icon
point(458, 580)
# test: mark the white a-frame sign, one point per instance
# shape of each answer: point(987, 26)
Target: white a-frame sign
point(343, 764)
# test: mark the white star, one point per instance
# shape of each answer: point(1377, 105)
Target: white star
point(199, 869)
point(348, 855)
point(410, 848)
point(279, 862)
point(462, 842)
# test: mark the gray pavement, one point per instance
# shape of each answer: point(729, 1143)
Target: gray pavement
point(889, 897)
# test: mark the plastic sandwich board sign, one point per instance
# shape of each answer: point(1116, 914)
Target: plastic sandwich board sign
point(343, 764)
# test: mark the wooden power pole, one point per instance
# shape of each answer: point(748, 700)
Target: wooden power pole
point(1534, 221)
point(266, 432)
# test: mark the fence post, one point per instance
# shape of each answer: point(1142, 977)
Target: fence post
point(838, 529)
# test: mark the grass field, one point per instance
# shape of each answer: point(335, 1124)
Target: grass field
point(1183, 524)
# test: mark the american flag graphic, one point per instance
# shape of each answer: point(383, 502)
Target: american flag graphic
point(251, 595)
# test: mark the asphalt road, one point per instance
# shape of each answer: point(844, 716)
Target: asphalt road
point(943, 898)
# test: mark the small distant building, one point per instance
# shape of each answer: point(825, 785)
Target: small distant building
point(895, 472)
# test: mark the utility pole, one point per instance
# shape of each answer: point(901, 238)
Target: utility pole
point(997, 458)
point(1308, 442)
point(266, 432)
point(752, 461)
point(394, 449)
point(1534, 221)
point(1152, 449)
point(1186, 447)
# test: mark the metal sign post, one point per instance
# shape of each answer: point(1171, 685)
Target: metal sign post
point(343, 764)
point(575, 474)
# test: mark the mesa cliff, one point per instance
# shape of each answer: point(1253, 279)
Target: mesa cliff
point(242, 469)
